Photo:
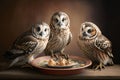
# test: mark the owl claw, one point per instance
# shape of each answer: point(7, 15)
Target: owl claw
point(56, 56)
point(100, 66)
point(66, 56)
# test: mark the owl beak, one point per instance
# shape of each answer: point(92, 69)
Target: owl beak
point(41, 34)
point(84, 34)
point(59, 24)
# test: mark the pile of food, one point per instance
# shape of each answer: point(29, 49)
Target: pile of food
point(59, 62)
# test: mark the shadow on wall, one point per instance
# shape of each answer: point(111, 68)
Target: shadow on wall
point(18, 15)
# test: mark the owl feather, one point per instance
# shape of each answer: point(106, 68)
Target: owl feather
point(29, 45)
point(60, 35)
point(95, 45)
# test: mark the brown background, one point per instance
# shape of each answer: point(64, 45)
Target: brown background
point(16, 16)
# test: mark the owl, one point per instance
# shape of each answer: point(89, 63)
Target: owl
point(29, 44)
point(60, 35)
point(95, 45)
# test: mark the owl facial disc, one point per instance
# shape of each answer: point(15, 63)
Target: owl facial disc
point(41, 30)
point(89, 30)
point(60, 20)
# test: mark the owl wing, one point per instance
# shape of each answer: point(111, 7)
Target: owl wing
point(26, 44)
point(21, 46)
point(103, 44)
point(70, 38)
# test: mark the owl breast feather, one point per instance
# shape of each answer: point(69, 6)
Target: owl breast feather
point(58, 41)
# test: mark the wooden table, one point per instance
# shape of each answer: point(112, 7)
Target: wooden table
point(111, 72)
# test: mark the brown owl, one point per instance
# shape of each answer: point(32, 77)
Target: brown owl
point(60, 35)
point(29, 45)
point(95, 45)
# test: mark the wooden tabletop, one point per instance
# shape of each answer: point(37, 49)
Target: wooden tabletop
point(110, 72)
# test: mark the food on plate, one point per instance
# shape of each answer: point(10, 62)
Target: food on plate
point(59, 62)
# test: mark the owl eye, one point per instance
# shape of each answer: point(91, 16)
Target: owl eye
point(45, 30)
point(63, 19)
point(56, 20)
point(38, 29)
point(89, 30)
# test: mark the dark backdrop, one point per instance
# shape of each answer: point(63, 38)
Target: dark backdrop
point(16, 16)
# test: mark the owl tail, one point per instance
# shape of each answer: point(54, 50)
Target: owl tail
point(19, 61)
point(13, 62)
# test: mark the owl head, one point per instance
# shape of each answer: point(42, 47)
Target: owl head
point(89, 30)
point(41, 30)
point(60, 20)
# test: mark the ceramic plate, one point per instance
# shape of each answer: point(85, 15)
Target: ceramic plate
point(42, 64)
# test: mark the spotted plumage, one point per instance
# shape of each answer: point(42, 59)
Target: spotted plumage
point(95, 45)
point(60, 35)
point(29, 44)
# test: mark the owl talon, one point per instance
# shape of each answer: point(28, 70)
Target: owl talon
point(56, 56)
point(66, 56)
point(100, 66)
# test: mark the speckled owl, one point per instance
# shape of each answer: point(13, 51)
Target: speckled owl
point(60, 35)
point(95, 45)
point(29, 45)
